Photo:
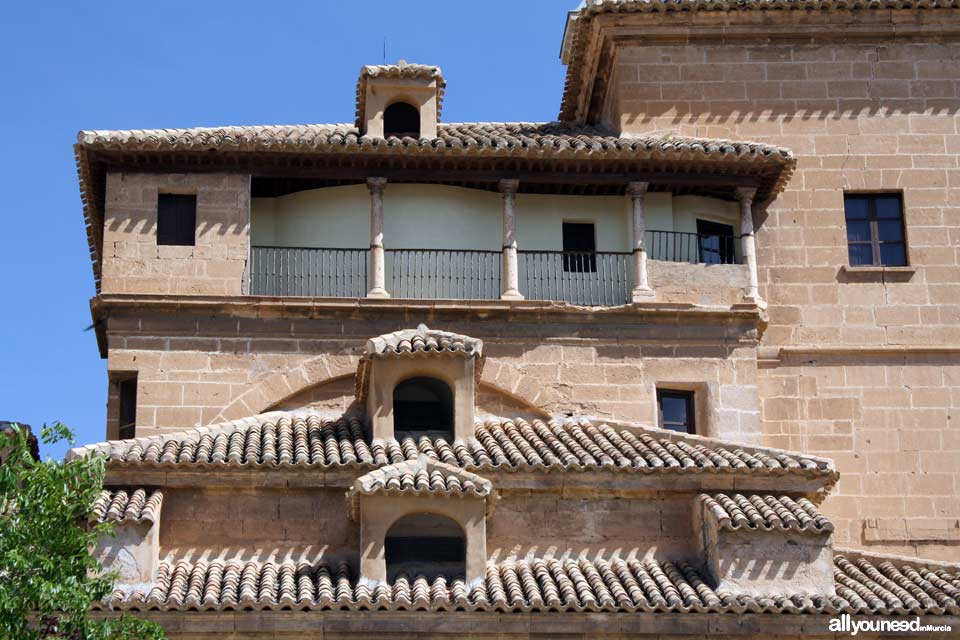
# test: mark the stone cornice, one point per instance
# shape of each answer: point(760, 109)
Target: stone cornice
point(569, 483)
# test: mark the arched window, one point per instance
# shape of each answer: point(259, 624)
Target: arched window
point(425, 543)
point(423, 405)
point(401, 119)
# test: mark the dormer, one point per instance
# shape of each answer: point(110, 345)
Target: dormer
point(419, 382)
point(422, 517)
point(401, 100)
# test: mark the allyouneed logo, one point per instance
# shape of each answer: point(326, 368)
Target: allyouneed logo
point(846, 623)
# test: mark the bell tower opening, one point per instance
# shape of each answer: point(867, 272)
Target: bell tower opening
point(423, 405)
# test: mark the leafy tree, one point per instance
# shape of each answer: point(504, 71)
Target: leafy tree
point(48, 578)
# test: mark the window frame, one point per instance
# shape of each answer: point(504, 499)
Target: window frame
point(726, 249)
point(176, 220)
point(873, 221)
point(689, 397)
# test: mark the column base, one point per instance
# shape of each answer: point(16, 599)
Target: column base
point(513, 294)
point(378, 293)
point(643, 294)
point(755, 300)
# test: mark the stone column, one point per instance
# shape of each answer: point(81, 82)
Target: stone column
point(378, 287)
point(641, 284)
point(748, 242)
point(511, 290)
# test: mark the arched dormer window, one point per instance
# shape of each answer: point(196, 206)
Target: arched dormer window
point(425, 543)
point(401, 120)
point(424, 406)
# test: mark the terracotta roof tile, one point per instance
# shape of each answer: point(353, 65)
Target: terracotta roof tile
point(863, 587)
point(424, 340)
point(500, 138)
point(765, 513)
point(121, 506)
point(287, 440)
point(421, 476)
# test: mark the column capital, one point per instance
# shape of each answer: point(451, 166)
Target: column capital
point(376, 184)
point(745, 194)
point(637, 188)
point(508, 186)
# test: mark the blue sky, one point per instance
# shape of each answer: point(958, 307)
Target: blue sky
point(68, 66)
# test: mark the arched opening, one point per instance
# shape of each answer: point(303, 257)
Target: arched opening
point(401, 119)
point(425, 543)
point(423, 405)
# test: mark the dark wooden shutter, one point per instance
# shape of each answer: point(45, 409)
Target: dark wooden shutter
point(176, 219)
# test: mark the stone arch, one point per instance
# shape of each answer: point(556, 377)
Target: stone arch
point(401, 118)
point(273, 389)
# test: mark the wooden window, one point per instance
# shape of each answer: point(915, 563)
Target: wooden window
point(715, 243)
point(401, 120)
point(127, 389)
point(176, 219)
point(875, 235)
point(676, 410)
point(579, 247)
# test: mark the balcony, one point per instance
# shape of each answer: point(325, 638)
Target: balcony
point(602, 278)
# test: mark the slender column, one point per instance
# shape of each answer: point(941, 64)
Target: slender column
point(641, 283)
point(511, 282)
point(749, 246)
point(378, 287)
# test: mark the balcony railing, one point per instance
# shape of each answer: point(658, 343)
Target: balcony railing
point(452, 274)
point(296, 271)
point(678, 246)
point(584, 278)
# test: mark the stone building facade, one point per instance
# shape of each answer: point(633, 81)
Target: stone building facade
point(742, 228)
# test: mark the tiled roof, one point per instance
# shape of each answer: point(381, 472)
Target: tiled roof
point(576, 37)
point(424, 340)
point(121, 507)
point(543, 139)
point(421, 476)
point(765, 513)
point(288, 440)
point(863, 586)
point(401, 70)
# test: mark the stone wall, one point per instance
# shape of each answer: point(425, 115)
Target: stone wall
point(248, 519)
point(134, 263)
point(872, 380)
point(201, 370)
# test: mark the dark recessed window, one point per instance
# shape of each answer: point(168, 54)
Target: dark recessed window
point(875, 229)
point(402, 120)
point(715, 243)
point(579, 247)
point(176, 219)
point(676, 410)
point(127, 390)
point(423, 405)
point(425, 544)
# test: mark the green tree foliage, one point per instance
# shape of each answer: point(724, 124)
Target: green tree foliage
point(48, 578)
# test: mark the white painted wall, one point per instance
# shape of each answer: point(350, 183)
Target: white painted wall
point(425, 216)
